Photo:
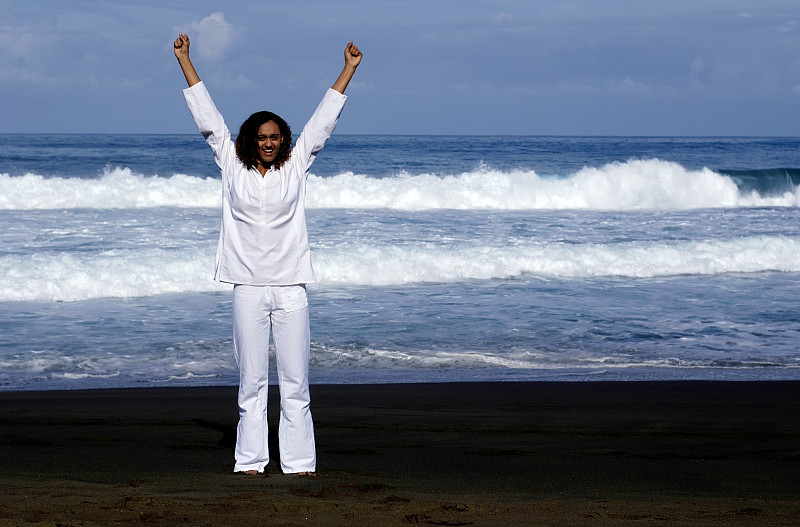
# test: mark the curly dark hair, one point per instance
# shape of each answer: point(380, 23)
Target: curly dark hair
point(246, 143)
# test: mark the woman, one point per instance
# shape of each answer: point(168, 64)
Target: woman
point(263, 251)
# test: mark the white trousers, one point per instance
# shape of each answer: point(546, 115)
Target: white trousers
point(284, 311)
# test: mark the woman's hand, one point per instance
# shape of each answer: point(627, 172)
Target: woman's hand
point(182, 46)
point(182, 54)
point(352, 55)
point(352, 58)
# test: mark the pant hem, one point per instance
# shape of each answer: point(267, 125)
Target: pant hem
point(295, 471)
point(245, 468)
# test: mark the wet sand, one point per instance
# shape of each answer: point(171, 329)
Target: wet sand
point(589, 453)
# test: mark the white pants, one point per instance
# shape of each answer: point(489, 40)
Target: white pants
point(284, 310)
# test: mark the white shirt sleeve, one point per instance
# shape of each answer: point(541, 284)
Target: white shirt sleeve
point(212, 125)
point(319, 127)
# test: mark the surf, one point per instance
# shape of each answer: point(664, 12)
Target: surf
point(638, 184)
point(76, 276)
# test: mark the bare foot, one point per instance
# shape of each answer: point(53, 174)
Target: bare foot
point(250, 472)
point(308, 474)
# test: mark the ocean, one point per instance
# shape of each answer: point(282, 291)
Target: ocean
point(438, 259)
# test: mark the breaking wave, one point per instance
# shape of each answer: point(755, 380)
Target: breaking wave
point(632, 185)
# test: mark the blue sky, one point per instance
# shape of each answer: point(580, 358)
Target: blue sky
point(553, 67)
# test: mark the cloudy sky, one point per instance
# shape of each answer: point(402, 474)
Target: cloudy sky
point(553, 67)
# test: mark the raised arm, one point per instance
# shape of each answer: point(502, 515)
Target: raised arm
point(182, 54)
point(352, 58)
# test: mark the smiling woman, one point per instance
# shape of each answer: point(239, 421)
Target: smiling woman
point(264, 141)
point(264, 252)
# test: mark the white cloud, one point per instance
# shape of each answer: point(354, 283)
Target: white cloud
point(240, 81)
point(133, 84)
point(23, 54)
point(788, 27)
point(698, 65)
point(211, 37)
point(626, 86)
point(629, 86)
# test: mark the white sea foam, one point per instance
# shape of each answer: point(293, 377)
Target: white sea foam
point(121, 274)
point(633, 185)
point(323, 356)
point(161, 366)
point(134, 273)
point(215, 365)
point(117, 188)
point(391, 265)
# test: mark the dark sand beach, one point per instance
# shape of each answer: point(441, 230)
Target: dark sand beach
point(589, 453)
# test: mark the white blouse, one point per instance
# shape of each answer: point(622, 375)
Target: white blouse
point(263, 239)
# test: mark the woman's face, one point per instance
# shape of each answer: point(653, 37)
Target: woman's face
point(268, 142)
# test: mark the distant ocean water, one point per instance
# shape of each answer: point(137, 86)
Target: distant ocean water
point(438, 258)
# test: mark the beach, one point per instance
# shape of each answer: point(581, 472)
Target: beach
point(528, 453)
